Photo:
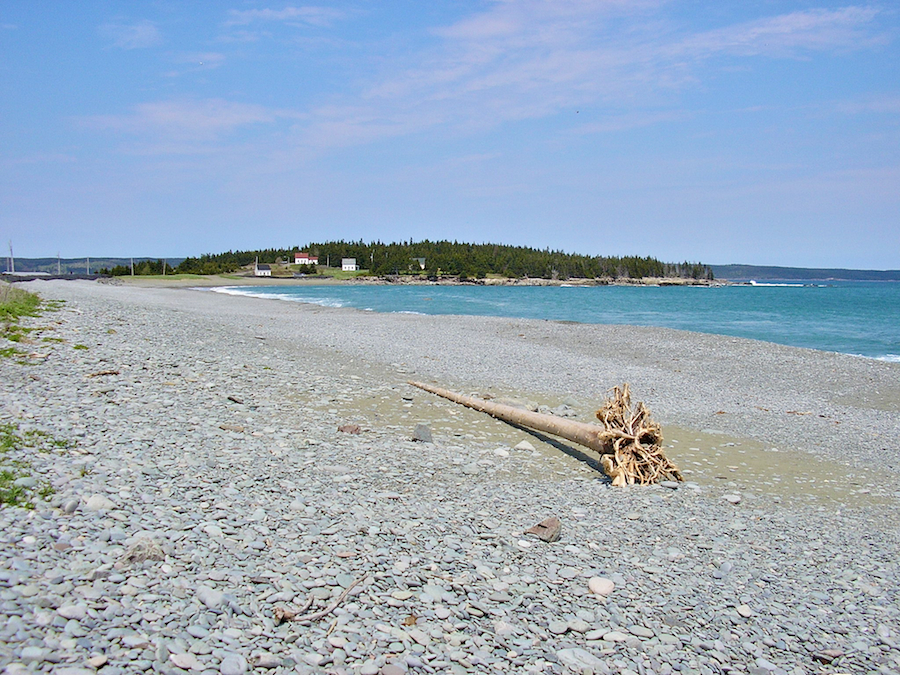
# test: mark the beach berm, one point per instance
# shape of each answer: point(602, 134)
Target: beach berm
point(201, 483)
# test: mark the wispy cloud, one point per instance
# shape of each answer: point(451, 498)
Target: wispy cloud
point(889, 105)
point(787, 34)
point(622, 63)
point(532, 59)
point(308, 15)
point(195, 120)
point(131, 34)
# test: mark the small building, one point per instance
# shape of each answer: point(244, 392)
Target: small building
point(349, 265)
point(421, 262)
point(262, 270)
point(305, 259)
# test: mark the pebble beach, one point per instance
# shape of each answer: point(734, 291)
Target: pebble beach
point(189, 482)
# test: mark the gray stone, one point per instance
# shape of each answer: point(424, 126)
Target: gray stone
point(233, 664)
point(558, 627)
point(640, 631)
point(579, 659)
point(422, 433)
point(32, 654)
point(267, 660)
point(77, 612)
point(210, 597)
point(98, 502)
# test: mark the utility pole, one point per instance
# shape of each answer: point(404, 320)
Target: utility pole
point(11, 263)
point(132, 267)
point(165, 262)
point(87, 265)
point(58, 265)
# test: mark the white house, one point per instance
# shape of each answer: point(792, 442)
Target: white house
point(349, 265)
point(305, 259)
point(262, 270)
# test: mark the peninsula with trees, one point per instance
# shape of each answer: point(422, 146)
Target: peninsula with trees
point(445, 259)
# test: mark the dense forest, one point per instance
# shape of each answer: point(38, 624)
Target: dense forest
point(445, 258)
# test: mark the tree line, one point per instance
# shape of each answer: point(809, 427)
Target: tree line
point(141, 268)
point(445, 258)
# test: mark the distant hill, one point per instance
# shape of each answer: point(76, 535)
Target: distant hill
point(756, 272)
point(77, 265)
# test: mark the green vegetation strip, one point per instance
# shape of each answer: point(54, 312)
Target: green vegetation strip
point(16, 304)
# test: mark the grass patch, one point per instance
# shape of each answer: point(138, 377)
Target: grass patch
point(10, 493)
point(8, 437)
point(14, 305)
point(18, 487)
point(80, 346)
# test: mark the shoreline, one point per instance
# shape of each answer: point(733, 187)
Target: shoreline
point(319, 280)
point(202, 429)
point(747, 377)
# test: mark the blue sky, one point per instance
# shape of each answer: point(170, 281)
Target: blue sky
point(756, 131)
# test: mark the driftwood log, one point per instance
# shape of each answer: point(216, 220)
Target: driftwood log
point(629, 442)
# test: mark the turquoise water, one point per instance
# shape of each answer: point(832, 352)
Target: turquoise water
point(861, 318)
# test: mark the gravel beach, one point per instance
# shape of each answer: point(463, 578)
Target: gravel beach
point(182, 451)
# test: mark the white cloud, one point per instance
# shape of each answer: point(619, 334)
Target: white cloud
point(310, 15)
point(532, 59)
point(888, 105)
point(816, 29)
point(623, 62)
point(131, 35)
point(197, 120)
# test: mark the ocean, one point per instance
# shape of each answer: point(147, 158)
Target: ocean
point(859, 318)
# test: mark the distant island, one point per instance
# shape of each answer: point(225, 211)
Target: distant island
point(768, 273)
point(440, 259)
point(426, 260)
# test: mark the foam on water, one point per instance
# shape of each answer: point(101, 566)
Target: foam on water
point(282, 293)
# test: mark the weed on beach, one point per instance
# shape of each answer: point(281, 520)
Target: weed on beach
point(18, 486)
point(15, 304)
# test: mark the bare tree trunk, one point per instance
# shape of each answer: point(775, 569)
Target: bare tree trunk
point(629, 442)
point(587, 435)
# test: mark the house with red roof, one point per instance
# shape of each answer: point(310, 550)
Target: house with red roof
point(305, 259)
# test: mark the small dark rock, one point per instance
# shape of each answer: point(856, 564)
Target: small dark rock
point(547, 530)
point(826, 656)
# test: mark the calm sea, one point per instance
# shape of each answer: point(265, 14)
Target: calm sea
point(861, 318)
